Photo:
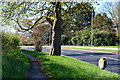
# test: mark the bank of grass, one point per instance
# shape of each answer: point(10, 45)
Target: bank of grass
point(14, 64)
point(110, 46)
point(67, 67)
point(71, 47)
point(116, 51)
point(77, 47)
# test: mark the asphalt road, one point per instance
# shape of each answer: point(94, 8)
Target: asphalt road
point(113, 59)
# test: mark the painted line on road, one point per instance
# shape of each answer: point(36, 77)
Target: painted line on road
point(68, 52)
point(112, 58)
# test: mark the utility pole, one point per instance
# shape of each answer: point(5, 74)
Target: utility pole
point(92, 31)
point(92, 26)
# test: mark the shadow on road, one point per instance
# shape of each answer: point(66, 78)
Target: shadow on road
point(94, 54)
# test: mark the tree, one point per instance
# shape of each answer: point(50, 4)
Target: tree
point(52, 12)
point(38, 34)
point(22, 39)
point(78, 19)
point(113, 9)
point(102, 22)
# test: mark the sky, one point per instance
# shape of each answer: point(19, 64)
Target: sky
point(102, 4)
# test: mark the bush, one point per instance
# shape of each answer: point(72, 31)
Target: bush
point(9, 41)
point(64, 39)
point(75, 40)
point(100, 38)
point(82, 38)
point(104, 38)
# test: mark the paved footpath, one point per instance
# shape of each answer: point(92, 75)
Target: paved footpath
point(35, 71)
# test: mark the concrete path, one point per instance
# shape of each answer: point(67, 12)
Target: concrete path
point(35, 70)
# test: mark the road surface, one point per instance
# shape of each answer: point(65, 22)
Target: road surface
point(113, 59)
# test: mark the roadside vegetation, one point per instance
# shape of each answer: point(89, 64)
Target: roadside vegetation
point(75, 47)
point(67, 67)
point(9, 41)
point(100, 38)
point(14, 63)
point(70, 47)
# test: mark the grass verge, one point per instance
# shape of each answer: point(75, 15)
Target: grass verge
point(72, 47)
point(92, 49)
point(67, 67)
point(14, 64)
point(66, 47)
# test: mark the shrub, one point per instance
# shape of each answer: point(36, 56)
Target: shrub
point(9, 41)
point(100, 38)
point(64, 39)
point(82, 38)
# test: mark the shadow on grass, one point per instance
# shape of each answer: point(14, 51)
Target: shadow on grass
point(58, 71)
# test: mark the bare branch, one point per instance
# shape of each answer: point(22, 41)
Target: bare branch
point(36, 22)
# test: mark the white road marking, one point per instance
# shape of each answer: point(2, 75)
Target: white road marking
point(62, 51)
point(112, 58)
point(91, 55)
point(68, 52)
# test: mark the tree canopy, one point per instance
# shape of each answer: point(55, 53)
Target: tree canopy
point(102, 22)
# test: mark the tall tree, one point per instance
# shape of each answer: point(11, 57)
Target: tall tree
point(52, 12)
point(77, 19)
point(113, 10)
point(102, 22)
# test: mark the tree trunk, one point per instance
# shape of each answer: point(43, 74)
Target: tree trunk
point(38, 47)
point(56, 32)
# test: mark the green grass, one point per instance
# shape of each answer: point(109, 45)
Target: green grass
point(15, 64)
point(67, 67)
point(70, 47)
point(110, 46)
point(94, 46)
point(92, 49)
